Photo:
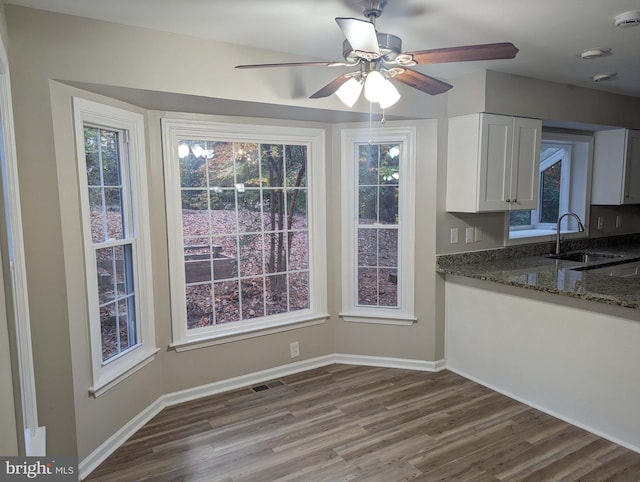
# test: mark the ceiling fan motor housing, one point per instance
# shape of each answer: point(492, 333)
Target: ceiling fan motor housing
point(390, 46)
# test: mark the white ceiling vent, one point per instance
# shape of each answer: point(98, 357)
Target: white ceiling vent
point(628, 19)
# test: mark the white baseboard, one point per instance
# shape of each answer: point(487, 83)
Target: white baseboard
point(99, 455)
point(35, 442)
point(245, 380)
point(388, 362)
point(537, 406)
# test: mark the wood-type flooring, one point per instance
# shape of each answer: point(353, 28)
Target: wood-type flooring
point(342, 422)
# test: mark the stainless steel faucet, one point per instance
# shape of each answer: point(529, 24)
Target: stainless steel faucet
point(580, 227)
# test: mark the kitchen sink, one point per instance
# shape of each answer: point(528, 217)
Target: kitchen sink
point(584, 257)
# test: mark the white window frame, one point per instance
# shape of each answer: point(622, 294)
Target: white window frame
point(174, 130)
point(133, 167)
point(538, 232)
point(404, 313)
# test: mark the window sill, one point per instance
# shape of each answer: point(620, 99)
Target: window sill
point(136, 364)
point(245, 332)
point(378, 319)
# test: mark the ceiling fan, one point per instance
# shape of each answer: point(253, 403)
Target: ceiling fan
point(379, 57)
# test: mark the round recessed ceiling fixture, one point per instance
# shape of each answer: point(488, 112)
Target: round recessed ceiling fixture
point(594, 53)
point(628, 19)
point(604, 76)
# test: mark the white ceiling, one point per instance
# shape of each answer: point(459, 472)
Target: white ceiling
point(549, 33)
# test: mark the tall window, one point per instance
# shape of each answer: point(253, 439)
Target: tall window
point(377, 224)
point(247, 221)
point(564, 185)
point(113, 192)
point(378, 194)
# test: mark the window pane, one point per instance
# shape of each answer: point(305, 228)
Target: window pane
point(298, 250)
point(299, 291)
point(389, 205)
point(225, 257)
point(388, 289)
point(368, 164)
point(272, 165)
point(221, 172)
point(247, 157)
point(115, 213)
point(126, 314)
point(193, 170)
point(275, 252)
point(389, 164)
point(223, 211)
point(550, 181)
point(97, 215)
point(368, 205)
point(274, 214)
point(227, 301)
point(388, 248)
point(251, 255)
point(199, 306)
point(297, 209)
point(249, 211)
point(91, 150)
point(367, 247)
point(108, 331)
point(252, 298)
point(296, 166)
point(110, 158)
point(519, 218)
point(195, 215)
point(197, 260)
point(277, 291)
point(105, 268)
point(368, 286)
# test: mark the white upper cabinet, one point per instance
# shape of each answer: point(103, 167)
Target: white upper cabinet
point(616, 167)
point(492, 163)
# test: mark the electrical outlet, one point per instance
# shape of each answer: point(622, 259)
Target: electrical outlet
point(454, 235)
point(469, 234)
point(477, 237)
point(600, 222)
point(294, 349)
point(618, 221)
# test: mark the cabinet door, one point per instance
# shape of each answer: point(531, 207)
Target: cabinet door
point(632, 169)
point(525, 164)
point(496, 146)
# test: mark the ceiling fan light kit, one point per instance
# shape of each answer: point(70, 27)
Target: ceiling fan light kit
point(595, 53)
point(604, 76)
point(628, 19)
point(349, 92)
point(379, 57)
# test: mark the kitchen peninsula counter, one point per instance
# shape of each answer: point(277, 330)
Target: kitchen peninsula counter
point(529, 267)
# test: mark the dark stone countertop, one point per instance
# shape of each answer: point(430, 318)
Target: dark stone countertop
point(530, 267)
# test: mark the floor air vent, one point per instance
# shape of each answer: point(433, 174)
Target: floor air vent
point(267, 386)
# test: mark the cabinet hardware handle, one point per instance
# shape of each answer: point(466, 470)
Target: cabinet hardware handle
point(515, 201)
point(508, 200)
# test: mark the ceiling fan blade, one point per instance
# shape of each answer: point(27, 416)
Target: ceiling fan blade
point(331, 87)
point(360, 34)
point(423, 82)
point(504, 50)
point(295, 64)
